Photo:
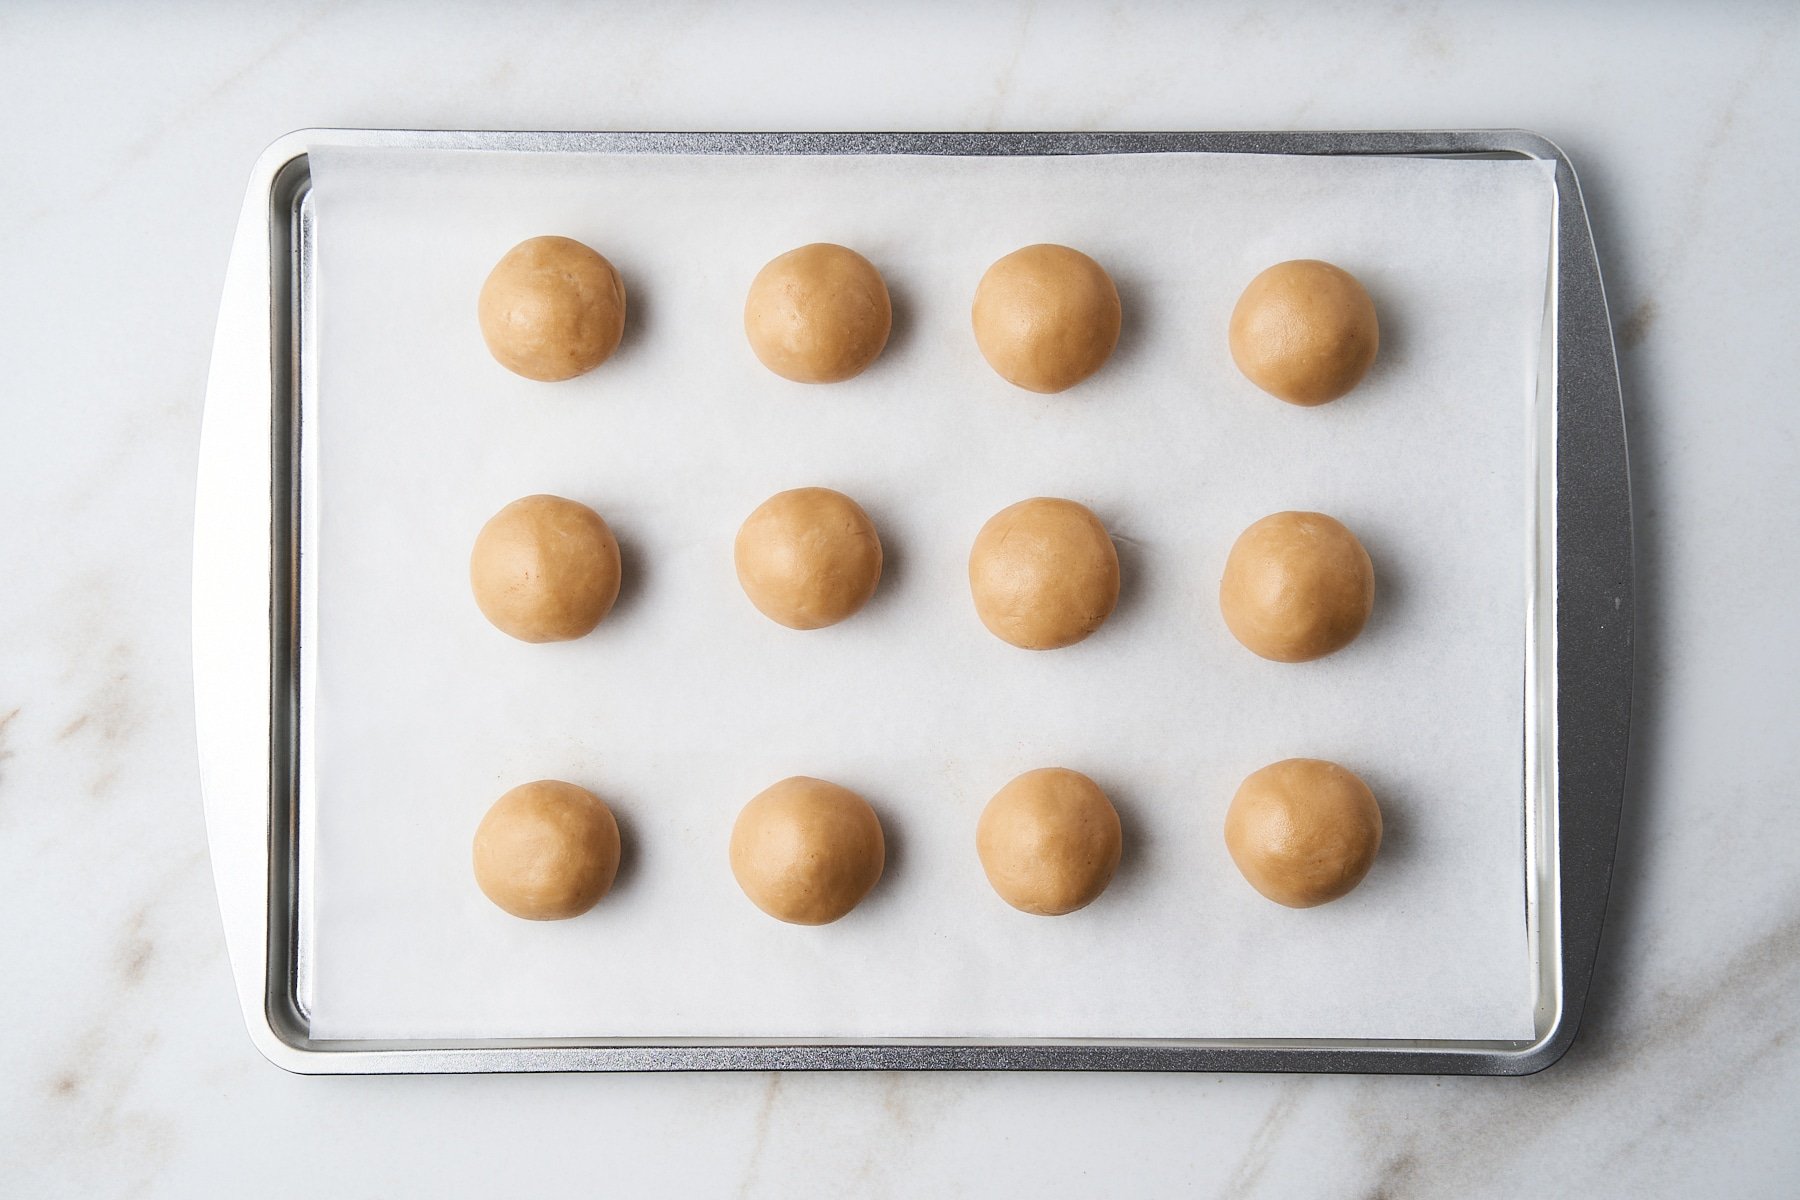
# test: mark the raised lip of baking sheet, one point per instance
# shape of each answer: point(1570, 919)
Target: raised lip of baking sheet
point(247, 584)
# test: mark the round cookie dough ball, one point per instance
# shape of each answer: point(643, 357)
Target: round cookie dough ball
point(1049, 841)
point(1043, 573)
point(806, 851)
point(808, 558)
point(552, 309)
point(547, 851)
point(545, 569)
point(1046, 317)
point(819, 314)
point(1303, 831)
point(1304, 331)
point(1297, 586)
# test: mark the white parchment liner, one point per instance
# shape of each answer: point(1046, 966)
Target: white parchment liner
point(686, 702)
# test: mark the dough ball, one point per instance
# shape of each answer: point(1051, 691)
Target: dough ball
point(1304, 331)
point(1049, 841)
point(552, 309)
point(1303, 831)
point(806, 851)
point(545, 569)
point(1297, 586)
point(547, 851)
point(819, 314)
point(1046, 317)
point(1043, 573)
point(808, 558)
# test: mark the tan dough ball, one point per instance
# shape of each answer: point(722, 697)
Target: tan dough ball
point(1303, 831)
point(545, 569)
point(1043, 573)
point(1046, 317)
point(819, 314)
point(806, 851)
point(808, 558)
point(547, 851)
point(552, 309)
point(1304, 331)
point(1049, 841)
point(1297, 586)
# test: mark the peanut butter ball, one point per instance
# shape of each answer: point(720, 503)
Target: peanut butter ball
point(1304, 331)
point(1046, 317)
point(1043, 573)
point(552, 309)
point(547, 851)
point(1049, 841)
point(819, 314)
point(806, 851)
point(1297, 586)
point(1303, 831)
point(808, 558)
point(545, 569)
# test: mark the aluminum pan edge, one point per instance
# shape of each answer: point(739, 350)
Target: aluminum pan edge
point(235, 607)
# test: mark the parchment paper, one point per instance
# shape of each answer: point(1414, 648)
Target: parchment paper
point(686, 702)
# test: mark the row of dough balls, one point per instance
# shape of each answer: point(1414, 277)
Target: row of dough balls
point(1046, 317)
point(1302, 831)
point(1043, 572)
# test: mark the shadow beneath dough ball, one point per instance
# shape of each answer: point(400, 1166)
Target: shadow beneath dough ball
point(1392, 327)
point(628, 851)
point(1389, 611)
point(894, 561)
point(901, 325)
point(1398, 836)
point(633, 580)
point(1137, 323)
point(1135, 574)
point(639, 315)
point(893, 867)
point(1137, 840)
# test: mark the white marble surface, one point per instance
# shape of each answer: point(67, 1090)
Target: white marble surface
point(129, 131)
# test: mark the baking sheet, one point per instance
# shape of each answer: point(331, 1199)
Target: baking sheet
point(686, 702)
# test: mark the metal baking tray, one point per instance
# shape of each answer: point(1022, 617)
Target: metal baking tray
point(247, 602)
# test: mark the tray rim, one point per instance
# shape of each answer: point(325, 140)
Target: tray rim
point(245, 580)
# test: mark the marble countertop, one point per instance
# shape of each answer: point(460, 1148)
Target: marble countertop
point(130, 132)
